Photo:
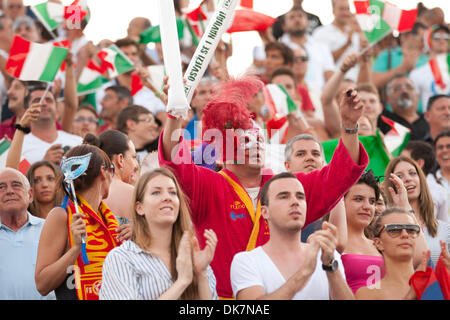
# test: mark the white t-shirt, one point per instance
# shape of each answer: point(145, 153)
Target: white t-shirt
point(334, 39)
point(320, 61)
point(440, 195)
point(426, 85)
point(34, 149)
point(255, 268)
point(443, 233)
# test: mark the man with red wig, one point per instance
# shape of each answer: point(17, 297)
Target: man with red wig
point(228, 201)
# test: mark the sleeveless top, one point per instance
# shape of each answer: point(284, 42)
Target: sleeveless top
point(66, 290)
point(362, 270)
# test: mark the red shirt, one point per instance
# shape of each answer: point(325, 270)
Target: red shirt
point(306, 99)
point(215, 205)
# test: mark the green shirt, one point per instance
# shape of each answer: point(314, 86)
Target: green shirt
point(381, 62)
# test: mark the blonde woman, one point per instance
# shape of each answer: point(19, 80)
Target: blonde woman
point(162, 260)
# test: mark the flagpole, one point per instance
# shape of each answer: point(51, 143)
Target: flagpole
point(373, 44)
point(45, 92)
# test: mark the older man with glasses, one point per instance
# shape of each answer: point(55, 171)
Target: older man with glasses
point(403, 98)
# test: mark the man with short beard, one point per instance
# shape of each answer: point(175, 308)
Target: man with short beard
point(403, 98)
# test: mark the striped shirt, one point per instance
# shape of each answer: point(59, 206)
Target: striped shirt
point(129, 273)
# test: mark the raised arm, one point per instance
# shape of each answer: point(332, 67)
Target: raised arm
point(15, 150)
point(329, 93)
point(70, 95)
point(351, 110)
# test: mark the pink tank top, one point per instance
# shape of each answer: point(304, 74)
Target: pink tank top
point(362, 270)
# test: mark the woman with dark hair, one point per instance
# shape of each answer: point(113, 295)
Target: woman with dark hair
point(122, 153)
point(419, 198)
point(47, 193)
point(163, 259)
point(59, 261)
point(362, 262)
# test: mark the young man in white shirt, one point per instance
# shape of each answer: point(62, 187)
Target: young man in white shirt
point(321, 65)
point(342, 36)
point(45, 141)
point(284, 267)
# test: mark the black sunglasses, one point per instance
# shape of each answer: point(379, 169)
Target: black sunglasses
point(395, 230)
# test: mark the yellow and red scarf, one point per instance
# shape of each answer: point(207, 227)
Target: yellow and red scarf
point(101, 239)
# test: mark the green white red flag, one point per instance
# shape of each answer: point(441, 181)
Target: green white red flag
point(52, 14)
point(114, 62)
point(378, 18)
point(24, 165)
point(34, 61)
point(397, 138)
point(440, 68)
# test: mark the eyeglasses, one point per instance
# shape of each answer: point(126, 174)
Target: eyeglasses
point(440, 36)
point(111, 169)
point(148, 119)
point(88, 120)
point(395, 230)
point(301, 58)
point(399, 87)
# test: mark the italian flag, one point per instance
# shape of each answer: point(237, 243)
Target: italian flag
point(50, 14)
point(153, 34)
point(157, 74)
point(280, 105)
point(91, 79)
point(280, 102)
point(24, 165)
point(114, 61)
point(34, 61)
point(377, 18)
point(440, 68)
point(397, 138)
point(196, 22)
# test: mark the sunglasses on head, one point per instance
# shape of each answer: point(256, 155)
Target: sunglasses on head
point(395, 230)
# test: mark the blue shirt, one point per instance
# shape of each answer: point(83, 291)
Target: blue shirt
point(18, 252)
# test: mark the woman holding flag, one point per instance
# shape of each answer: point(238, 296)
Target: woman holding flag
point(65, 263)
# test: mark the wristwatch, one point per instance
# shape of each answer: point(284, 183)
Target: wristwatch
point(351, 130)
point(23, 129)
point(332, 267)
